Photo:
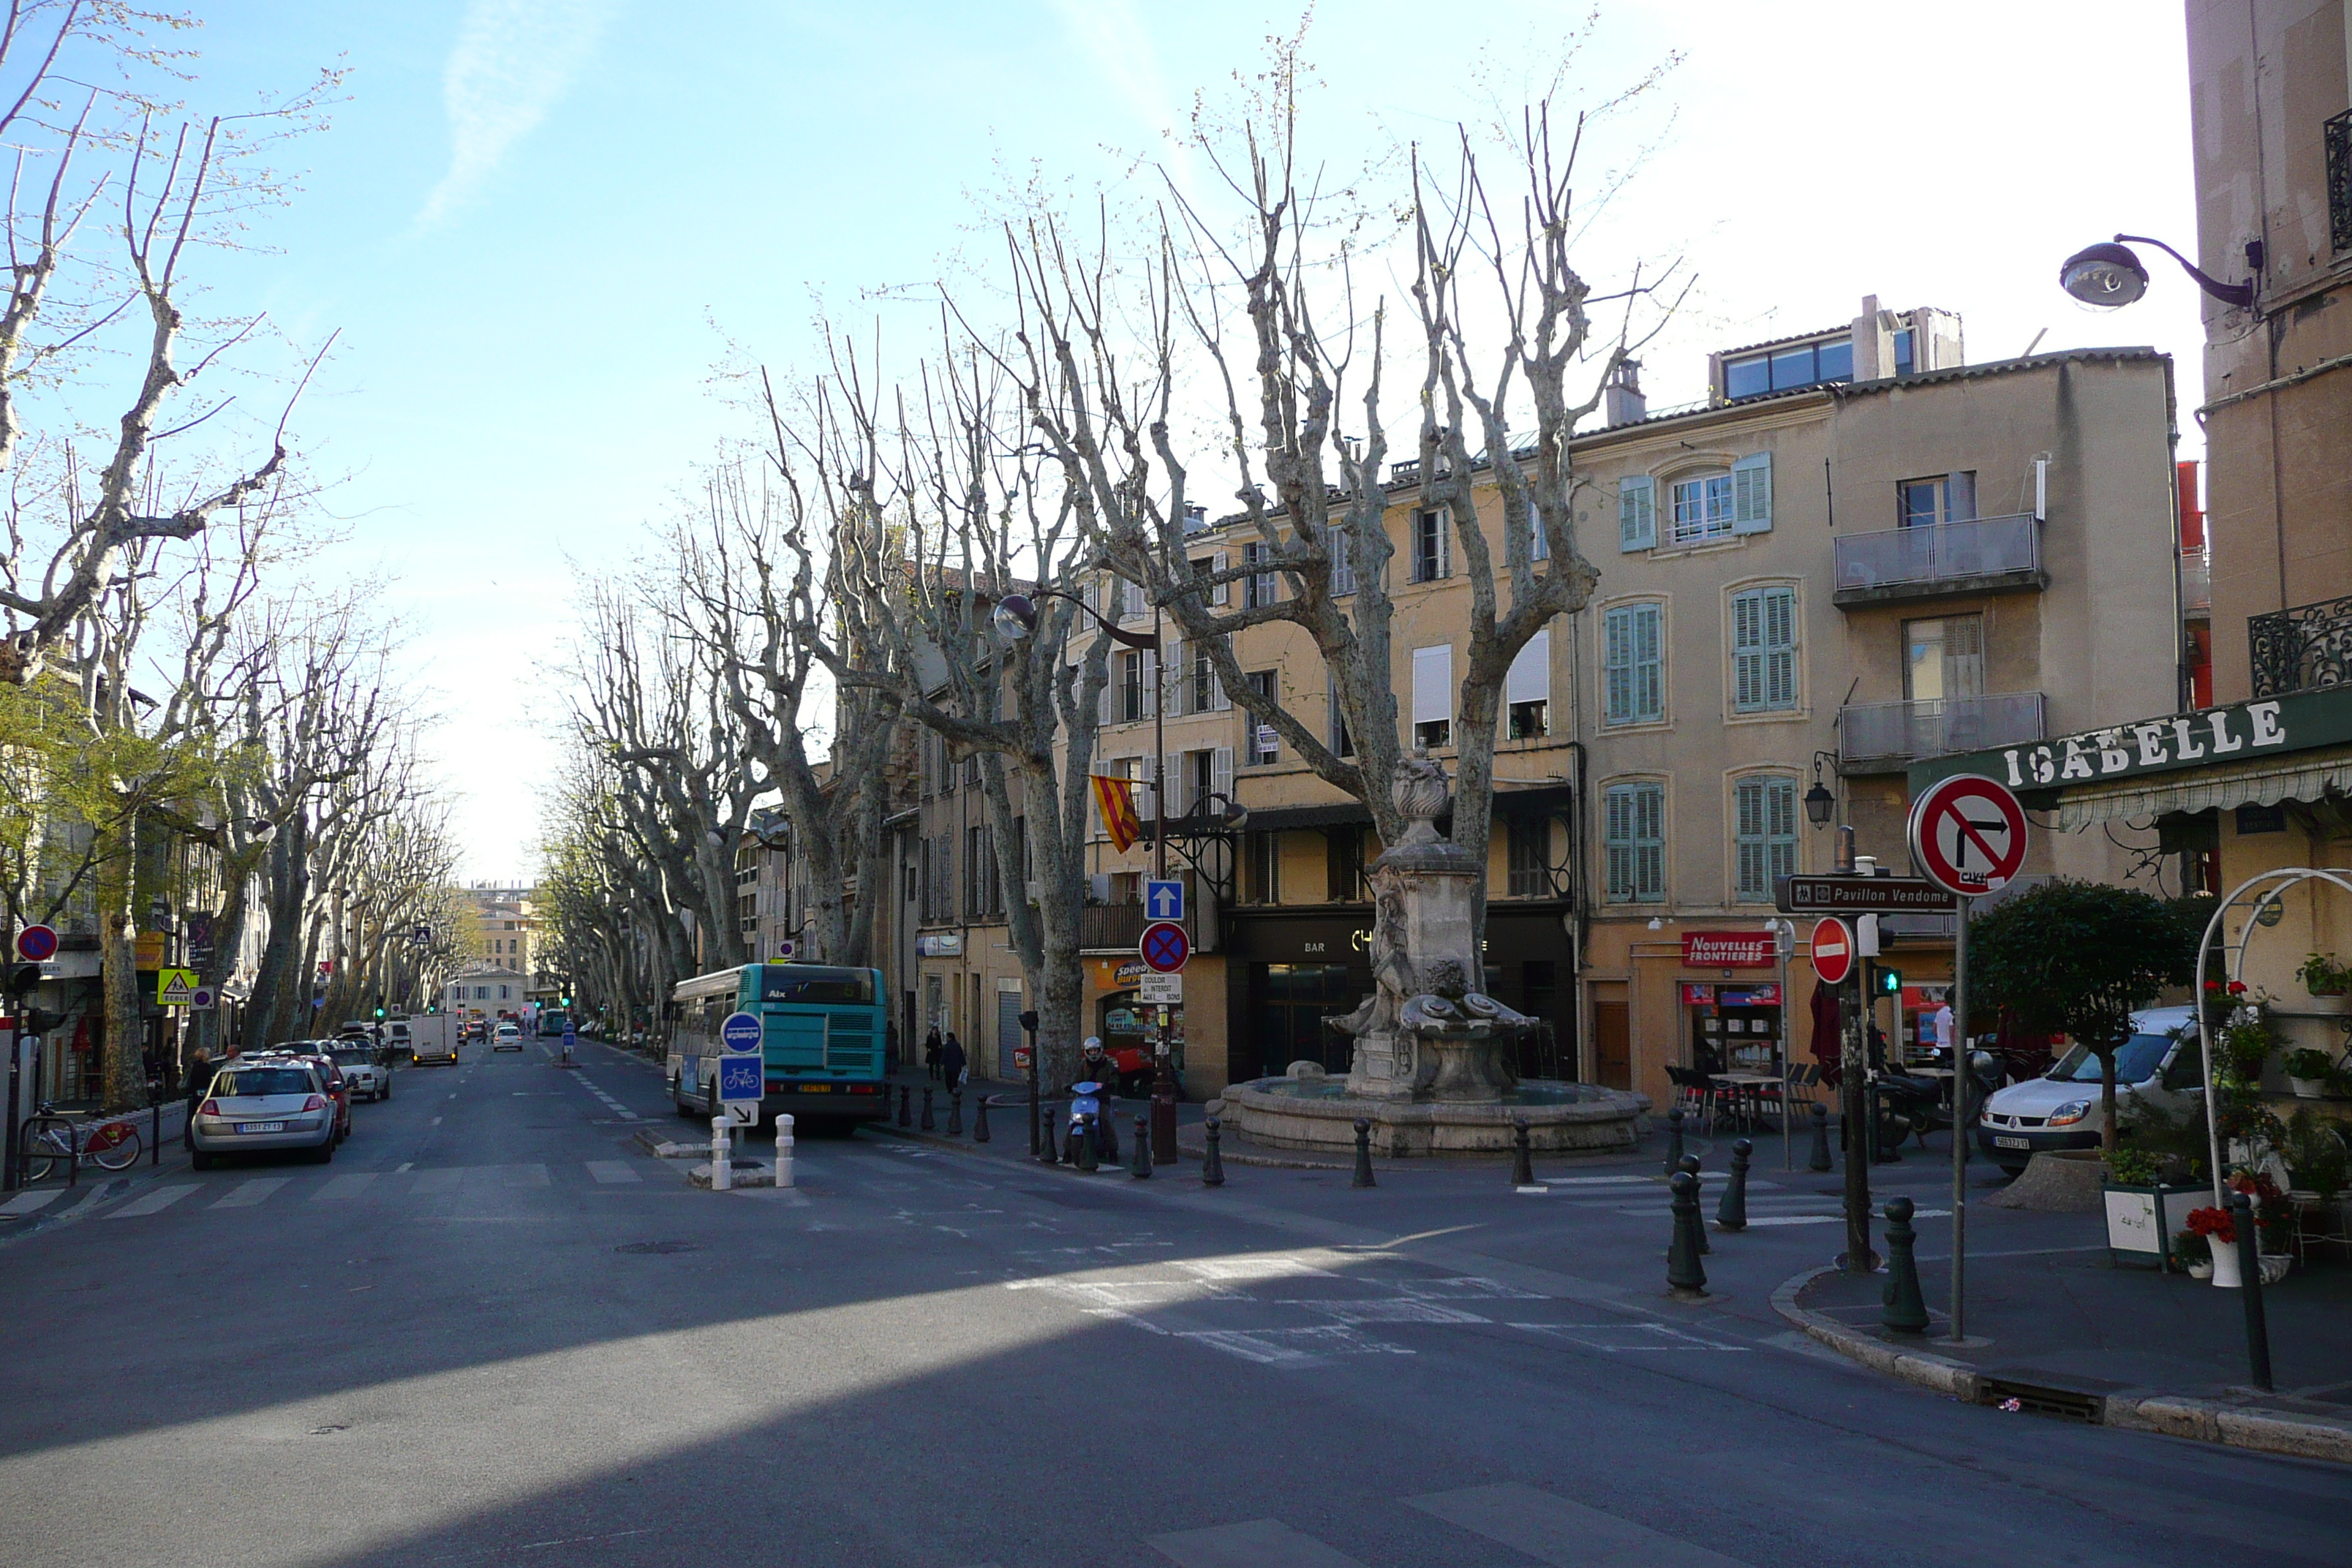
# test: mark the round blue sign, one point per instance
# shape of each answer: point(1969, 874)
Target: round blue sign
point(740, 1032)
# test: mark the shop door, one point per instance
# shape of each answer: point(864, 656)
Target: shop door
point(1288, 1003)
point(1613, 1046)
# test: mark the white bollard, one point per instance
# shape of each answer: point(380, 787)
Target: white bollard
point(722, 1163)
point(783, 1150)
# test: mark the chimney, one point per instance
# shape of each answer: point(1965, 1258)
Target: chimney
point(1621, 402)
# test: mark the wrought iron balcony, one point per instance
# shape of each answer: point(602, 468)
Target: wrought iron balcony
point(1882, 737)
point(1982, 555)
point(2301, 648)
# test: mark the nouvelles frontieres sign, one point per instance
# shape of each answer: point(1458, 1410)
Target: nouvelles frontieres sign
point(1729, 950)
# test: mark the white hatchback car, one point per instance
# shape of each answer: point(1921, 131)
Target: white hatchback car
point(507, 1038)
point(2158, 1066)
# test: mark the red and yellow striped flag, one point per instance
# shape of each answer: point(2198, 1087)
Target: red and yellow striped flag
point(1115, 797)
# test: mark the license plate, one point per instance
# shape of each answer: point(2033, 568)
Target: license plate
point(261, 1126)
point(2012, 1142)
point(815, 1088)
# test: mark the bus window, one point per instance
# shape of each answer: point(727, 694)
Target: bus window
point(810, 983)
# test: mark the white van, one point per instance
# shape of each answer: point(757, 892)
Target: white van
point(2156, 1067)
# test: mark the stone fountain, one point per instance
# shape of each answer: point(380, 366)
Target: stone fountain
point(1431, 1067)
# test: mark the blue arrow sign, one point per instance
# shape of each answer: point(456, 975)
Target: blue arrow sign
point(740, 1080)
point(740, 1032)
point(1163, 901)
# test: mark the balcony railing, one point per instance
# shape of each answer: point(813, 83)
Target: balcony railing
point(1881, 736)
point(2301, 648)
point(2196, 583)
point(1983, 554)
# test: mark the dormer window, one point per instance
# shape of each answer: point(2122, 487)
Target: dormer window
point(1785, 369)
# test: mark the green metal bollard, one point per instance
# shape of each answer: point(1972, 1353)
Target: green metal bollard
point(1522, 1167)
point(980, 1120)
point(1212, 1163)
point(955, 1114)
point(1731, 1213)
point(2249, 1286)
point(1140, 1166)
point(1686, 1274)
point(1089, 1158)
point(1820, 1160)
point(906, 1117)
point(1363, 1154)
point(1674, 1140)
point(1907, 1308)
point(927, 1124)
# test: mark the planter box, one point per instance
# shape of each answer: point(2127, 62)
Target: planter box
point(2308, 1088)
point(2142, 1221)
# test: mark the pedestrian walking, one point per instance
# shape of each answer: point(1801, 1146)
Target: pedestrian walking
point(931, 1053)
point(952, 1062)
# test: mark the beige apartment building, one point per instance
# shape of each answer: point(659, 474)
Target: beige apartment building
point(1858, 552)
point(1861, 553)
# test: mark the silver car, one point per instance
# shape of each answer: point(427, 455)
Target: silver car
point(264, 1105)
point(363, 1068)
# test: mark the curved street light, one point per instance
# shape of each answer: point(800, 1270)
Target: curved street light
point(1015, 618)
point(2108, 275)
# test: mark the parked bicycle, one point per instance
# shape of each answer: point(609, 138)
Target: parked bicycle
point(111, 1143)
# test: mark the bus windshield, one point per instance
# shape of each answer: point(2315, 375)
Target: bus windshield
point(815, 983)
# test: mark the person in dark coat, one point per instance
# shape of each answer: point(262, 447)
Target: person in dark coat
point(931, 1053)
point(200, 1083)
point(952, 1062)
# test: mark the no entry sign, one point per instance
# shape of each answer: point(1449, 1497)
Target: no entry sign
point(1967, 834)
point(1165, 947)
point(1833, 951)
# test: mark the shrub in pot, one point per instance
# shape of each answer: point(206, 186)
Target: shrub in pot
point(2307, 1072)
point(2323, 976)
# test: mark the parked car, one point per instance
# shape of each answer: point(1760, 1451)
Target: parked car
point(510, 1038)
point(363, 1068)
point(319, 1055)
point(2157, 1068)
point(263, 1101)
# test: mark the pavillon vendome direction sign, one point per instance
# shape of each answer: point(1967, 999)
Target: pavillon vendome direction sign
point(2243, 733)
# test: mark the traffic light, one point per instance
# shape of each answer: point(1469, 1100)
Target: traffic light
point(23, 979)
point(1890, 982)
point(379, 1011)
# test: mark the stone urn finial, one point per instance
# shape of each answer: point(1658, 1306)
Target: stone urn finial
point(1421, 794)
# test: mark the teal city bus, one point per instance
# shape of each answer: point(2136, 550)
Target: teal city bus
point(823, 1035)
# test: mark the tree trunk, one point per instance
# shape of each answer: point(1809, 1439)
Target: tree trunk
point(122, 1073)
point(2106, 1101)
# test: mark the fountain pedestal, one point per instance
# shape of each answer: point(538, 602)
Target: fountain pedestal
point(1431, 1063)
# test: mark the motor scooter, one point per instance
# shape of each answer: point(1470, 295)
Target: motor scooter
point(1089, 1118)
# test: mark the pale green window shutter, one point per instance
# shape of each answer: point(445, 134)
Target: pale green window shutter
point(1637, 513)
point(1633, 669)
point(1764, 651)
point(1752, 494)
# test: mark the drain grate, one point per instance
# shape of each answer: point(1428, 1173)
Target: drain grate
point(2037, 1399)
point(658, 1249)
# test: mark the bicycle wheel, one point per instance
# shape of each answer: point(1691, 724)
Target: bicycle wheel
point(39, 1165)
point(120, 1154)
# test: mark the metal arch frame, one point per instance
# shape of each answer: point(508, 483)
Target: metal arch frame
point(2286, 876)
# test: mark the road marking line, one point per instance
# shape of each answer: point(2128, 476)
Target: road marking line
point(408, 1166)
point(155, 1202)
point(245, 1194)
point(1619, 1337)
point(31, 1203)
point(613, 1171)
point(338, 1188)
point(1256, 1543)
point(1566, 1534)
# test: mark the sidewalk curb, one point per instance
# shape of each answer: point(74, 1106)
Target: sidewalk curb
point(2173, 1415)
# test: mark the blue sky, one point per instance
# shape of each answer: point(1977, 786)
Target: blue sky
point(532, 213)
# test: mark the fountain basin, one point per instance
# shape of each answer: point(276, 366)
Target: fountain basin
point(1319, 1114)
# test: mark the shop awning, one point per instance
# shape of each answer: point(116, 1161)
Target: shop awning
point(2266, 783)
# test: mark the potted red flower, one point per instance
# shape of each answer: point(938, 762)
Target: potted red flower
point(2214, 1227)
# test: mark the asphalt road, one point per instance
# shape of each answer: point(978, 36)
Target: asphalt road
point(493, 1332)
